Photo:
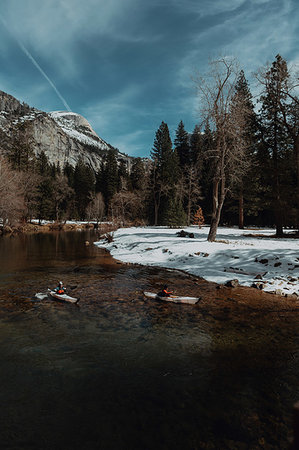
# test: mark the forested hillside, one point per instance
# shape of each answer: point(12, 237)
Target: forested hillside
point(239, 166)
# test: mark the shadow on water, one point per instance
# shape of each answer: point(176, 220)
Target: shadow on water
point(122, 372)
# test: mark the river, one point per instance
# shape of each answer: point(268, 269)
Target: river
point(118, 371)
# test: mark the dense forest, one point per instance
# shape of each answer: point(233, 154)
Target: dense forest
point(239, 166)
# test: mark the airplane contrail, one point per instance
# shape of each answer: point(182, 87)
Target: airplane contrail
point(35, 63)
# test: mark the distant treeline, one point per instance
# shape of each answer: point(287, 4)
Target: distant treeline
point(239, 166)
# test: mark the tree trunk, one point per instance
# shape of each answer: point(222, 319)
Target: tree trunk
point(296, 148)
point(277, 205)
point(218, 200)
point(156, 213)
point(214, 224)
point(277, 201)
point(189, 210)
point(241, 209)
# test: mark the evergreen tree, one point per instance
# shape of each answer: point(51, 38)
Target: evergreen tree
point(100, 178)
point(182, 146)
point(175, 215)
point(284, 90)
point(124, 181)
point(274, 135)
point(110, 177)
point(42, 164)
point(84, 186)
point(164, 176)
point(45, 205)
point(63, 196)
point(22, 156)
point(245, 188)
point(138, 175)
point(69, 171)
point(196, 142)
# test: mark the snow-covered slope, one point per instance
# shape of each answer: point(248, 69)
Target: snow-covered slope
point(269, 263)
point(77, 127)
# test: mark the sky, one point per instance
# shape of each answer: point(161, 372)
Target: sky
point(127, 65)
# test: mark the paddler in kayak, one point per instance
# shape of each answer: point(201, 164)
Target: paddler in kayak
point(60, 289)
point(164, 292)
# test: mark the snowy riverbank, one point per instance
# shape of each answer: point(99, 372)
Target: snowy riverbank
point(252, 256)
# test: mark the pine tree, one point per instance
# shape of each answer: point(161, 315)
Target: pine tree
point(248, 132)
point(124, 181)
point(165, 174)
point(84, 186)
point(138, 175)
point(175, 215)
point(63, 196)
point(196, 143)
point(110, 177)
point(274, 134)
point(68, 171)
point(100, 178)
point(22, 156)
point(181, 144)
point(42, 164)
point(45, 205)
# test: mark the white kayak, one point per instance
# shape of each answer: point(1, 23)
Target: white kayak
point(63, 297)
point(173, 298)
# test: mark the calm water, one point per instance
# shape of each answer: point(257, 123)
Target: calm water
point(119, 372)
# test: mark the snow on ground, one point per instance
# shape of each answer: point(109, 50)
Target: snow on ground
point(233, 256)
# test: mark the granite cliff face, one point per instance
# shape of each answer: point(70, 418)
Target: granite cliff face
point(63, 136)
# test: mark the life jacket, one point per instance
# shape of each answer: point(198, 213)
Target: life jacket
point(60, 291)
point(166, 293)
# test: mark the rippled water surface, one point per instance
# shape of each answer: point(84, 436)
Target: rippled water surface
point(121, 372)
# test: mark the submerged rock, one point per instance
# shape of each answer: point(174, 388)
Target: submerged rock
point(232, 283)
point(258, 285)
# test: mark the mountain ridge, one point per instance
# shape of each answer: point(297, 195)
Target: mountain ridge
point(64, 136)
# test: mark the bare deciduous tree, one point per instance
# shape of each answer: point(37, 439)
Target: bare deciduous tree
point(62, 194)
point(126, 206)
point(29, 186)
point(226, 114)
point(11, 196)
point(96, 208)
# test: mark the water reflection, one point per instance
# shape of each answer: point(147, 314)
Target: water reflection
point(122, 372)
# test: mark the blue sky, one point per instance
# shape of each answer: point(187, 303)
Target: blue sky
point(126, 65)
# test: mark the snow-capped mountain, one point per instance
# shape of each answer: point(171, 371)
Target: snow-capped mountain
point(77, 127)
point(63, 136)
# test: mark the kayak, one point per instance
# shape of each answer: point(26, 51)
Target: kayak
point(63, 297)
point(173, 298)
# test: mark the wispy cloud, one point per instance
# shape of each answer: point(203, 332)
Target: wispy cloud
point(207, 7)
point(130, 143)
point(36, 64)
point(126, 65)
point(252, 36)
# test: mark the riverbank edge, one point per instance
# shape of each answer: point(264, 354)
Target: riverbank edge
point(291, 303)
point(231, 285)
point(29, 228)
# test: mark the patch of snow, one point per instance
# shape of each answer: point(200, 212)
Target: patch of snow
point(234, 255)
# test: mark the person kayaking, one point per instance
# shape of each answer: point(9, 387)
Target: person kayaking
point(165, 292)
point(60, 289)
